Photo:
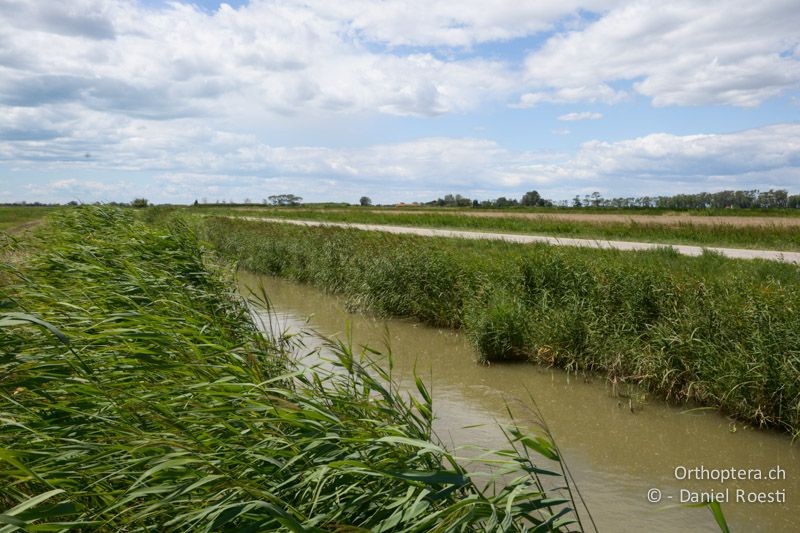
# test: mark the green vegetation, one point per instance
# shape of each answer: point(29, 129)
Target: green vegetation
point(15, 218)
point(766, 236)
point(751, 199)
point(136, 393)
point(708, 330)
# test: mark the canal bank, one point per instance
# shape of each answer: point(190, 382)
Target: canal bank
point(623, 448)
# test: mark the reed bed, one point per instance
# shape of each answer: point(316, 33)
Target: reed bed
point(706, 330)
point(772, 236)
point(137, 393)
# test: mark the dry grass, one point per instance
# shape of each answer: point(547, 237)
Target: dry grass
point(668, 219)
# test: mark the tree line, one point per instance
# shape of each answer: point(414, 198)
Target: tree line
point(529, 199)
point(730, 199)
point(747, 199)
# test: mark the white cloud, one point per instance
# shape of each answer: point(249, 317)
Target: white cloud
point(78, 189)
point(583, 115)
point(733, 52)
point(599, 93)
point(287, 57)
point(459, 23)
point(206, 98)
point(662, 156)
point(221, 167)
point(307, 58)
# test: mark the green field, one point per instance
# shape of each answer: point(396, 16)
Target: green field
point(706, 330)
point(767, 236)
point(137, 393)
point(17, 218)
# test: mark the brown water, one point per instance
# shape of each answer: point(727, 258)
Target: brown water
point(618, 448)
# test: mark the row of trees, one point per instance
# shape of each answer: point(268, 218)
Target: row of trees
point(749, 199)
point(529, 199)
point(752, 199)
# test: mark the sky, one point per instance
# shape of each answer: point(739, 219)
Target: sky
point(398, 100)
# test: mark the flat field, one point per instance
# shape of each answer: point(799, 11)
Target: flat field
point(14, 219)
point(757, 230)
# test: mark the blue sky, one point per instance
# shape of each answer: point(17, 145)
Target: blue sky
point(399, 100)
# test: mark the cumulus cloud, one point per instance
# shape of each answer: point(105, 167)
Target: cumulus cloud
point(308, 57)
point(459, 23)
point(82, 18)
point(660, 155)
point(285, 57)
point(599, 93)
point(762, 157)
point(195, 96)
point(234, 167)
point(733, 52)
point(583, 115)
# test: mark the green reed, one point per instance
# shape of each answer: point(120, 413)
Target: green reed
point(710, 330)
point(137, 393)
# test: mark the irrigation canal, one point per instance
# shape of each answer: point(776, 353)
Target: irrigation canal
point(618, 446)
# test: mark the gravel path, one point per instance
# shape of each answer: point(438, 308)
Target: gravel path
point(735, 253)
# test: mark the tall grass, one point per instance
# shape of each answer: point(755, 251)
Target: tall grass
point(710, 330)
point(136, 393)
point(772, 236)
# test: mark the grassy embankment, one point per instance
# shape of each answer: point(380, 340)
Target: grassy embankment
point(770, 236)
point(136, 393)
point(709, 330)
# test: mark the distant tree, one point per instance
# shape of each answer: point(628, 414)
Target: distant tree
point(139, 202)
point(285, 199)
point(365, 201)
point(476, 203)
point(531, 198)
point(196, 203)
point(463, 201)
point(781, 198)
point(576, 202)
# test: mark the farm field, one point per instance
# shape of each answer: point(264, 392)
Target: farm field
point(783, 217)
point(751, 232)
point(14, 219)
point(137, 392)
point(707, 330)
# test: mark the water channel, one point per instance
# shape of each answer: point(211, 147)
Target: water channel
point(618, 444)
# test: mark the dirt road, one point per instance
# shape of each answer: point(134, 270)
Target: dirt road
point(735, 253)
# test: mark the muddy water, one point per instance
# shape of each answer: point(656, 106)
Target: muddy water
point(618, 447)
